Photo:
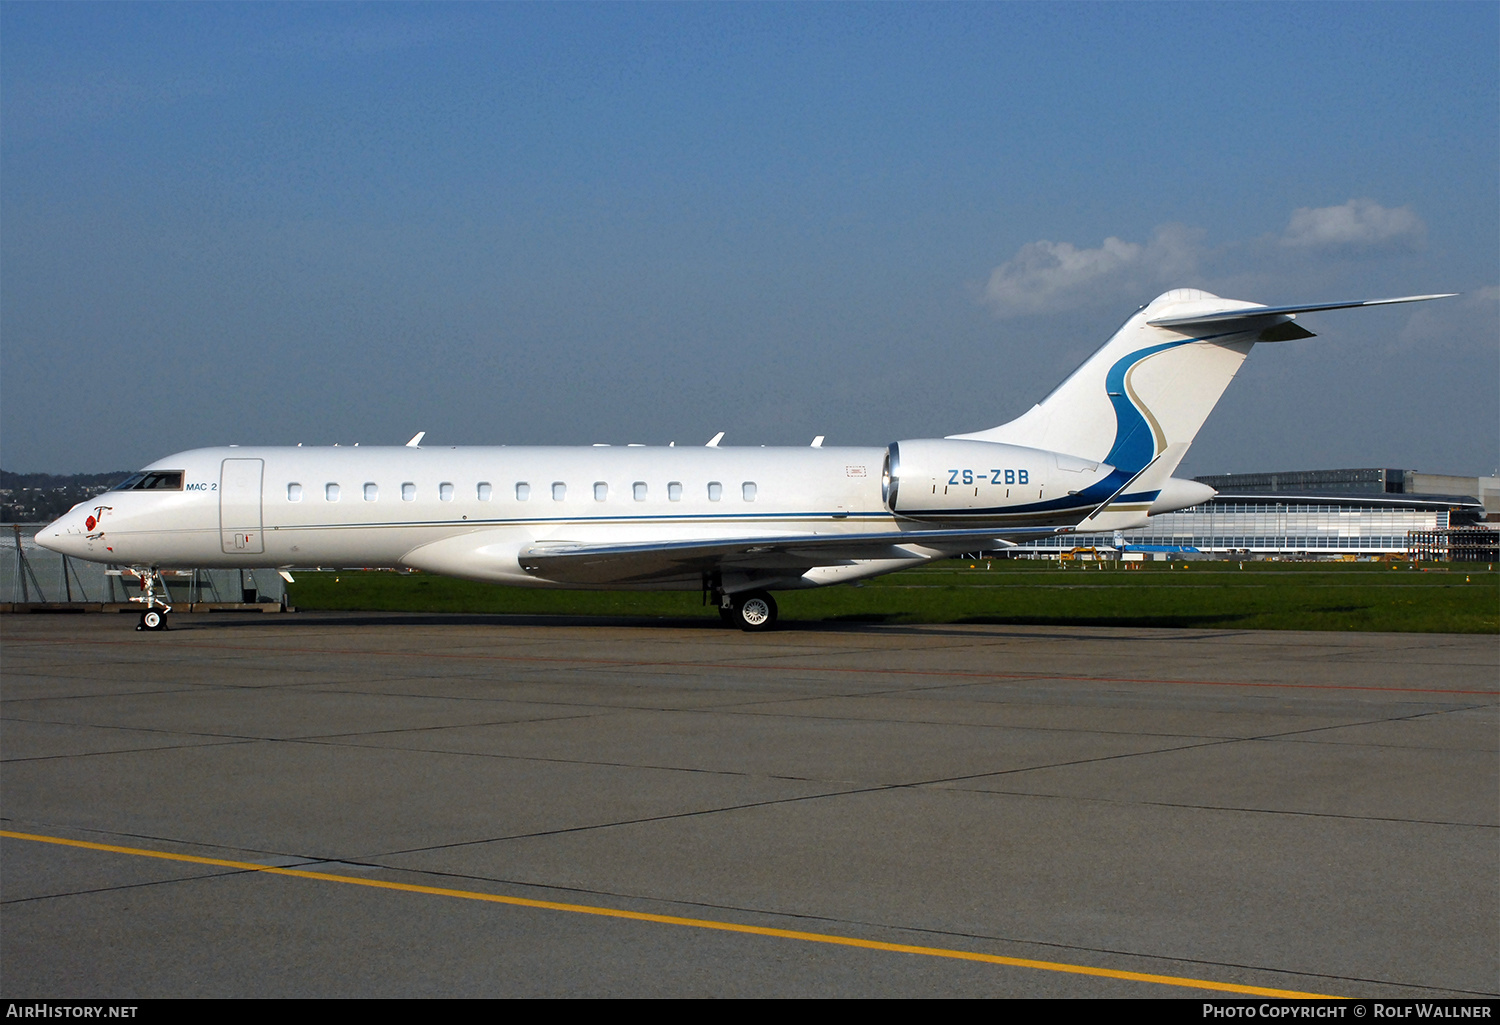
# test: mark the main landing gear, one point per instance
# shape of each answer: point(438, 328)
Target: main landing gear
point(752, 610)
point(154, 615)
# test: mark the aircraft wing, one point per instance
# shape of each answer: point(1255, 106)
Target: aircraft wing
point(591, 563)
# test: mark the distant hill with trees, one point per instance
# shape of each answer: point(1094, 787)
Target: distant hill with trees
point(39, 497)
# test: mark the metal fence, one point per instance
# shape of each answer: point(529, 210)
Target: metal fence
point(32, 575)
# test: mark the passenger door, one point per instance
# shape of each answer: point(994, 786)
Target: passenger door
point(239, 506)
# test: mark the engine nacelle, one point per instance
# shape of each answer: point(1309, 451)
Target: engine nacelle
point(938, 477)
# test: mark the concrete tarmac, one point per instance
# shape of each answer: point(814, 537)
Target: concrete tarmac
point(1088, 811)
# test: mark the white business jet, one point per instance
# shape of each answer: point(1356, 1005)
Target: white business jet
point(1096, 454)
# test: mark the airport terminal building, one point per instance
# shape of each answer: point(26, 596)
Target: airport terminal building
point(1314, 512)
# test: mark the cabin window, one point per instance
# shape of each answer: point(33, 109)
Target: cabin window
point(601, 491)
point(294, 492)
point(523, 491)
point(638, 490)
point(371, 492)
point(445, 492)
point(674, 491)
point(747, 491)
point(331, 492)
point(559, 491)
point(408, 492)
point(484, 491)
point(715, 491)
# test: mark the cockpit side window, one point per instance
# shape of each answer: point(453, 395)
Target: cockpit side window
point(152, 480)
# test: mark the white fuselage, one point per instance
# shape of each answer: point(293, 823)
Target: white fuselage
point(354, 506)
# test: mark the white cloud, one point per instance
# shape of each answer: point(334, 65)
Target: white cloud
point(1357, 224)
point(1045, 276)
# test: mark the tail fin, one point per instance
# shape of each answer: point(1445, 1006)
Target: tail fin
point(1151, 386)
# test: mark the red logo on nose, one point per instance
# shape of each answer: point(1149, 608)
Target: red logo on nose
point(89, 523)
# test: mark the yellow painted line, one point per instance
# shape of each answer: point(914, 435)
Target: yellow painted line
point(695, 923)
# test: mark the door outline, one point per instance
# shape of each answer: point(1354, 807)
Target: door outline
point(240, 497)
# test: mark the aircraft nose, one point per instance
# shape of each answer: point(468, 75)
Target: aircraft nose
point(64, 535)
point(50, 537)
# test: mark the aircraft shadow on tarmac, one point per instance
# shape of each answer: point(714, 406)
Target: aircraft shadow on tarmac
point(851, 624)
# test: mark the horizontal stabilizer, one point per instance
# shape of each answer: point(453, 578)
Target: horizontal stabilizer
point(1226, 316)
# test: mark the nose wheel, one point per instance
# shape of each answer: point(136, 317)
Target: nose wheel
point(154, 615)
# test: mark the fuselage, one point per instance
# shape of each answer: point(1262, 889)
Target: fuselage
point(372, 506)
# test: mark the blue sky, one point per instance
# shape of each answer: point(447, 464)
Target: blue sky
point(566, 224)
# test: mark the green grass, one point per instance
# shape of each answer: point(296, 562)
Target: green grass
point(1445, 598)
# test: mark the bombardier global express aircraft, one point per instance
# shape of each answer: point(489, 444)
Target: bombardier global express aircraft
point(1098, 453)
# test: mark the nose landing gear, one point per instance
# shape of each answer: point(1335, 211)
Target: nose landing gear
point(154, 615)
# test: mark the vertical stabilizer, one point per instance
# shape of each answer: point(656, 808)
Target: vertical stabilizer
point(1149, 387)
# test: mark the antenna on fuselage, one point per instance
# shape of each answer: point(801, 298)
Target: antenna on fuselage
point(416, 440)
point(714, 441)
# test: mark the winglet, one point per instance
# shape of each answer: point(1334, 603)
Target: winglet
point(818, 442)
point(714, 441)
point(416, 440)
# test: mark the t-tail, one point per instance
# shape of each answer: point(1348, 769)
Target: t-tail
point(1131, 411)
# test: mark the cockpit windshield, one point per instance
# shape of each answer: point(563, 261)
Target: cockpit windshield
point(151, 480)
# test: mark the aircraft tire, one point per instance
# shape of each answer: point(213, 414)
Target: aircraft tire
point(727, 616)
point(153, 620)
point(755, 611)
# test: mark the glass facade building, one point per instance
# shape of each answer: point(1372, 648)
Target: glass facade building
point(1281, 524)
